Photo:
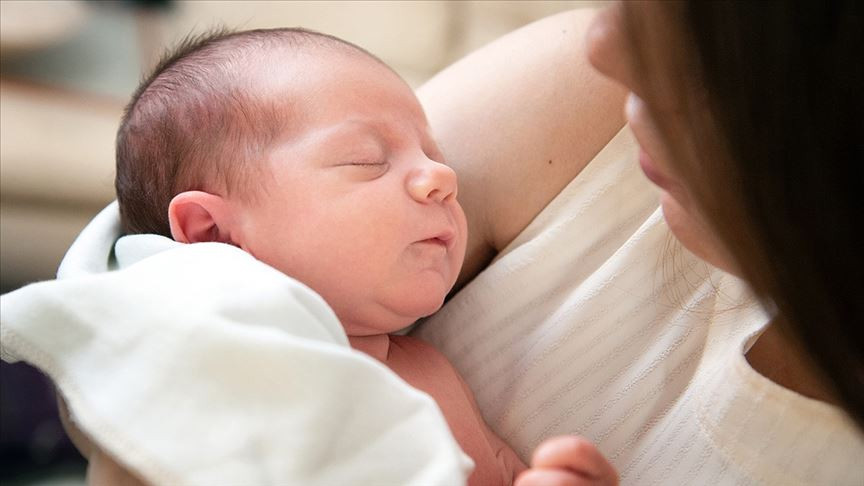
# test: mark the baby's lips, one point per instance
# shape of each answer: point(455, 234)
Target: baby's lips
point(447, 238)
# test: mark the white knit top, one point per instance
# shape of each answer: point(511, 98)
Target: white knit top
point(594, 322)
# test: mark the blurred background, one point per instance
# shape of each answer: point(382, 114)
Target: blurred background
point(67, 69)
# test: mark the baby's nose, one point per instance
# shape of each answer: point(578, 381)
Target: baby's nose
point(432, 182)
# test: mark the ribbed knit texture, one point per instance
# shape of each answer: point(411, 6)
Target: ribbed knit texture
point(594, 322)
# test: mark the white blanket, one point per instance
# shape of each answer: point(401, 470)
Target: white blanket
point(197, 364)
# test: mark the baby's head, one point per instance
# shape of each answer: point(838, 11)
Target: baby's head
point(306, 152)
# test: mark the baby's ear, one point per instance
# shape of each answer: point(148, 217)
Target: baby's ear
point(197, 216)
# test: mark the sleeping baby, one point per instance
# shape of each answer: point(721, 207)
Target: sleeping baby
point(315, 157)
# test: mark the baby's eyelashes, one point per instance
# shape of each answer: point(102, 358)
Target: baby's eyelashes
point(366, 164)
point(370, 169)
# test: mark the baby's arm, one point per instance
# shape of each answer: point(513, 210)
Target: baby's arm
point(563, 461)
point(517, 120)
point(505, 454)
point(568, 461)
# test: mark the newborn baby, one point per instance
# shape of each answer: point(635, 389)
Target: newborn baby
point(316, 158)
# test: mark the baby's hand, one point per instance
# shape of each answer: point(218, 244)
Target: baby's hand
point(568, 461)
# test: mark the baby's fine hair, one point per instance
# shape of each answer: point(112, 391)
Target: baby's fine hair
point(199, 121)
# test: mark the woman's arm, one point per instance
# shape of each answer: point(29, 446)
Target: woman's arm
point(517, 120)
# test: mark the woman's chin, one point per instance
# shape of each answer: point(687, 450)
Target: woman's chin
point(694, 235)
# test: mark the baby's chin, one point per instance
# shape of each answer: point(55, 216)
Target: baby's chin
point(387, 318)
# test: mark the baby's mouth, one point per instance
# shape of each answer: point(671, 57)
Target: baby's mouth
point(444, 239)
point(434, 241)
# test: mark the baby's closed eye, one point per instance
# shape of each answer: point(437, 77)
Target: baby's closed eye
point(366, 169)
point(365, 164)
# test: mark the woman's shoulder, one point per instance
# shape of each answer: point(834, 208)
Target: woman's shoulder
point(518, 119)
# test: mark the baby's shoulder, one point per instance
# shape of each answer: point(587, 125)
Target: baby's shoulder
point(415, 356)
point(413, 346)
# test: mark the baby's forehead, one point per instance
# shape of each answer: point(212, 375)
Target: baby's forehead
point(326, 87)
point(287, 63)
point(291, 75)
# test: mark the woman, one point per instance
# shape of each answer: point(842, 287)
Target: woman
point(749, 120)
point(523, 116)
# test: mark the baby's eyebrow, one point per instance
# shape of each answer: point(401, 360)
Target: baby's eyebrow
point(347, 140)
point(381, 132)
point(351, 127)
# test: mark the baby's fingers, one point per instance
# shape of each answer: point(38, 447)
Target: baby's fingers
point(576, 454)
point(551, 477)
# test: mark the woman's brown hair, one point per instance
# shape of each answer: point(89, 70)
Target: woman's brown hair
point(774, 96)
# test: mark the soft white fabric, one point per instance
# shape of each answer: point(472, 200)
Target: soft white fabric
point(592, 322)
point(199, 365)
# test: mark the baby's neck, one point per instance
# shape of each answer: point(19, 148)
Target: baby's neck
point(377, 345)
